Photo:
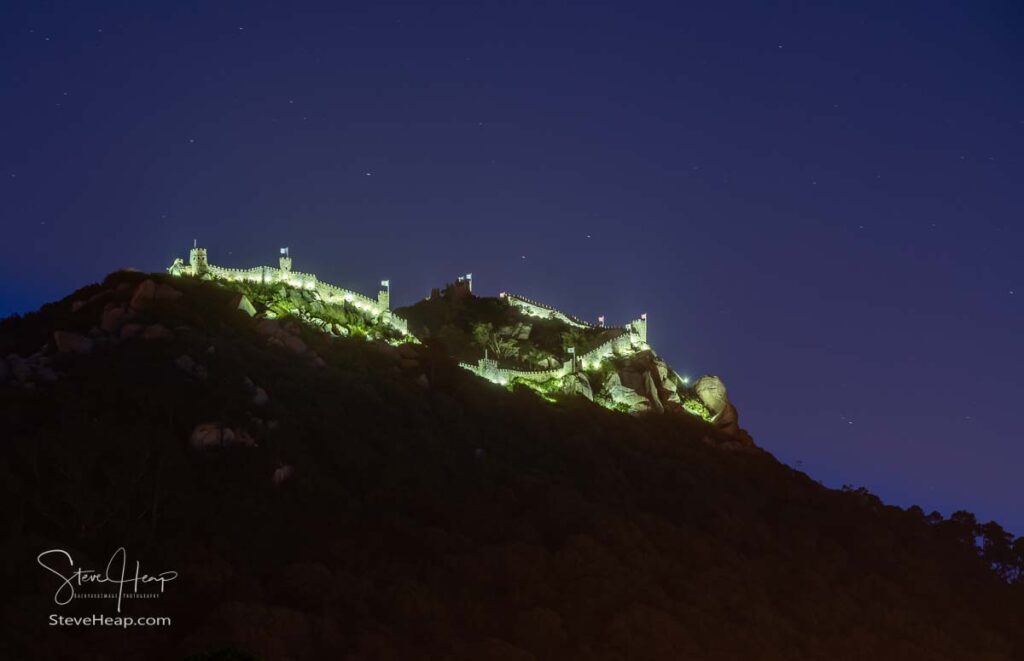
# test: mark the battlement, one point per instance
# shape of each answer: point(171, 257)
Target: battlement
point(537, 309)
point(198, 266)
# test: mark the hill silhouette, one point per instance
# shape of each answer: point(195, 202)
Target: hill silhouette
point(343, 495)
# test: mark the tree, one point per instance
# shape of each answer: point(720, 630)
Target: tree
point(487, 338)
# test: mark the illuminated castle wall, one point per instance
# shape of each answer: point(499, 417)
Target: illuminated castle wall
point(199, 266)
point(626, 341)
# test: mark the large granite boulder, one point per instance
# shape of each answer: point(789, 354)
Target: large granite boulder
point(636, 402)
point(713, 395)
point(577, 384)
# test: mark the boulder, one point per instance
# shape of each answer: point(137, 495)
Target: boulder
point(214, 434)
point(268, 327)
point(632, 379)
point(20, 368)
point(577, 384)
point(666, 379)
point(148, 291)
point(294, 343)
point(260, 397)
point(157, 332)
point(114, 316)
point(712, 393)
point(281, 475)
point(68, 342)
point(144, 293)
point(166, 293)
point(634, 400)
point(242, 302)
point(186, 364)
point(206, 435)
point(651, 390)
point(130, 330)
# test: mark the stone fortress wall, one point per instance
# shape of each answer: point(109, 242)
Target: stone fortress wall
point(199, 266)
point(536, 309)
point(626, 341)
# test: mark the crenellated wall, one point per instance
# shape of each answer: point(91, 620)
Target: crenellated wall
point(629, 339)
point(269, 275)
point(537, 309)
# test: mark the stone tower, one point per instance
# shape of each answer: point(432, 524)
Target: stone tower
point(639, 327)
point(197, 260)
point(286, 261)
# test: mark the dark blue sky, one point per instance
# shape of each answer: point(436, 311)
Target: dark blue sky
point(821, 204)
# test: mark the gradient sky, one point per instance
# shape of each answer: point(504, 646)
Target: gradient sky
point(821, 204)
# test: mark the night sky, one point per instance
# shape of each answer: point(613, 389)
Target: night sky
point(821, 204)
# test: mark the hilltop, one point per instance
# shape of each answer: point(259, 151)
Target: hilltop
point(330, 482)
point(510, 340)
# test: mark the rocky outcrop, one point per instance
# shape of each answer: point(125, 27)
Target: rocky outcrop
point(712, 393)
point(157, 332)
point(68, 342)
point(281, 475)
point(257, 394)
point(577, 384)
point(213, 434)
point(188, 365)
point(114, 316)
point(242, 302)
point(621, 395)
point(148, 292)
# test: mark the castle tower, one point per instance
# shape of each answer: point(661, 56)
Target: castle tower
point(197, 260)
point(384, 295)
point(639, 327)
point(285, 261)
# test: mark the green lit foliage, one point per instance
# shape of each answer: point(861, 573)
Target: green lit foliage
point(696, 407)
point(282, 301)
point(536, 358)
point(547, 390)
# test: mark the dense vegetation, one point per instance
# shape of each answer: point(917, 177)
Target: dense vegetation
point(427, 514)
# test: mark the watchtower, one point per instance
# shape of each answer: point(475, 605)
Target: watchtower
point(197, 260)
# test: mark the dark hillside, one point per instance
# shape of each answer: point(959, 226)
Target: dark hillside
point(333, 497)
